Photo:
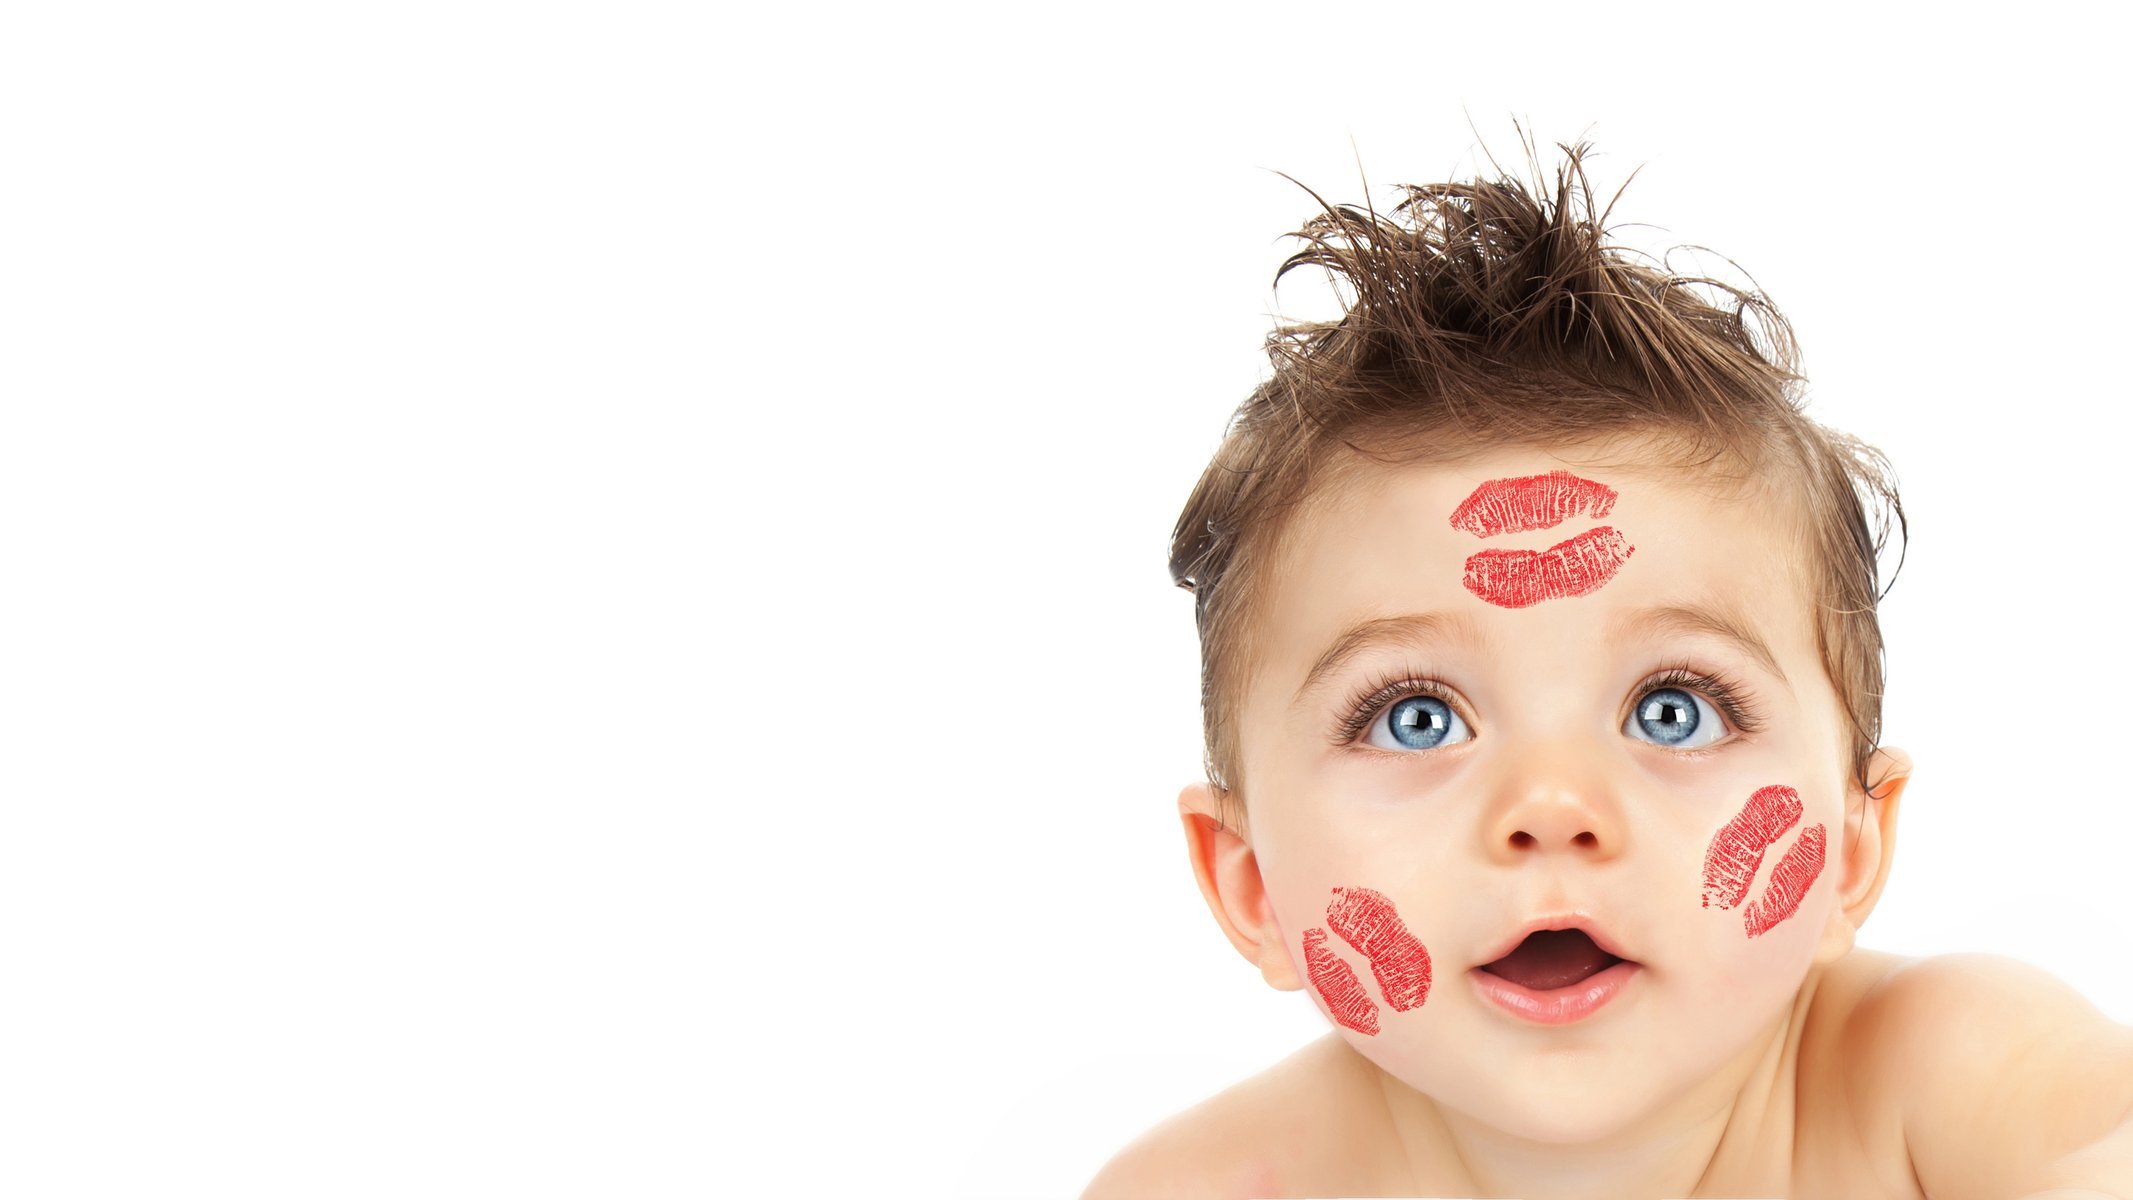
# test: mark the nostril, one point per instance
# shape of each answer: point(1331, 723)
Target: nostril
point(1521, 839)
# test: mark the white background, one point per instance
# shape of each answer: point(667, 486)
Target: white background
point(585, 607)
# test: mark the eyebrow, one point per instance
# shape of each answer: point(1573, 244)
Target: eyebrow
point(1718, 620)
point(1411, 629)
point(1710, 619)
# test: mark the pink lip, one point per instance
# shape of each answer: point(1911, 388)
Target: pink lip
point(1600, 937)
point(1560, 1006)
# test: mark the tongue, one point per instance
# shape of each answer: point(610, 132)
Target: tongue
point(1551, 959)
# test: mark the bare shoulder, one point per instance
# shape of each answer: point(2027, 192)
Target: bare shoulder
point(1265, 1136)
point(1922, 1019)
point(1941, 1043)
point(1849, 1132)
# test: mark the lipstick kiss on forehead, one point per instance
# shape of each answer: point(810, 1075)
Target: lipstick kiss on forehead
point(1521, 578)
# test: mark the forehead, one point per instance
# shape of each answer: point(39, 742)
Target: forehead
point(1379, 543)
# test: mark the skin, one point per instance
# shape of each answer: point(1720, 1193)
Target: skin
point(1789, 1063)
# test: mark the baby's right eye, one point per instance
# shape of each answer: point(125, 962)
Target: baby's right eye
point(1417, 723)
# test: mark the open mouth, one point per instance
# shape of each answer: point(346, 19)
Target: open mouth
point(1550, 959)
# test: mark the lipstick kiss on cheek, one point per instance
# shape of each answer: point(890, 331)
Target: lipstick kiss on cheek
point(1338, 986)
point(1736, 854)
point(1795, 873)
point(1367, 921)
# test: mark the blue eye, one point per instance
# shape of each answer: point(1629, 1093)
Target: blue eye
point(1675, 718)
point(1417, 723)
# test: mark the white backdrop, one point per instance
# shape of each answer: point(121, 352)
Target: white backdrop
point(586, 609)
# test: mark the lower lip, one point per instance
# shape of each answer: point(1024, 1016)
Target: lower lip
point(1521, 578)
point(1560, 1006)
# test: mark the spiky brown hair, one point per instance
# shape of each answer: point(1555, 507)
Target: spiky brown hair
point(1502, 313)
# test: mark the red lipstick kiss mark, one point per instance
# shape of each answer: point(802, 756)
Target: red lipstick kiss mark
point(1337, 984)
point(1736, 854)
point(1796, 872)
point(1365, 920)
point(1531, 502)
point(1521, 578)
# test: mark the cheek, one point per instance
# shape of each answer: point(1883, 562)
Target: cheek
point(1738, 869)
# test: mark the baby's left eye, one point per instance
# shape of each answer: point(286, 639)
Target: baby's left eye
point(1675, 718)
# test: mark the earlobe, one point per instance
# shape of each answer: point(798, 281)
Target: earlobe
point(1870, 844)
point(1228, 874)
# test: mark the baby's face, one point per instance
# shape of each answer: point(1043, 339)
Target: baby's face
point(1458, 735)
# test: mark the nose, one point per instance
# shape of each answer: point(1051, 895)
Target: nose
point(1553, 804)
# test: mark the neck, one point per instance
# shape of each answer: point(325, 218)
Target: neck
point(1730, 1135)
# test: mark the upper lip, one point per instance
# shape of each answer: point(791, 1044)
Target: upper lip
point(1572, 920)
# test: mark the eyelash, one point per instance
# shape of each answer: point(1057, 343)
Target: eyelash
point(1731, 699)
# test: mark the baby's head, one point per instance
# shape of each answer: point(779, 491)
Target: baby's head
point(1529, 599)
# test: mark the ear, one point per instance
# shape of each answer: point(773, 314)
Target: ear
point(1223, 862)
point(1869, 837)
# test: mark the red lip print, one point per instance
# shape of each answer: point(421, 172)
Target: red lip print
point(1521, 578)
point(1736, 854)
point(1525, 502)
point(1795, 873)
point(1336, 981)
point(1367, 921)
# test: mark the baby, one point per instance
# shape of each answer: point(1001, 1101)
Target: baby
point(1542, 682)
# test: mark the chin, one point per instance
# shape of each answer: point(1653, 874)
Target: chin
point(1565, 1100)
point(1562, 1114)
